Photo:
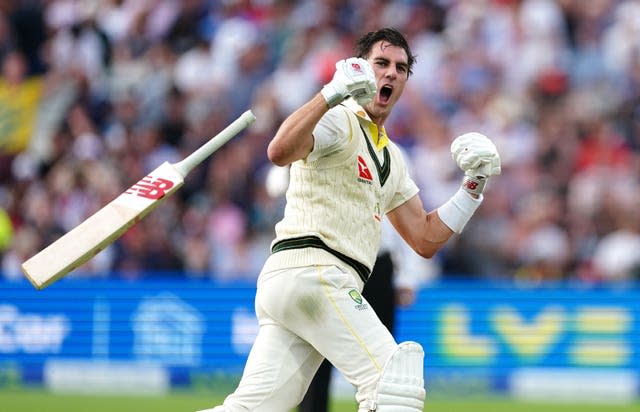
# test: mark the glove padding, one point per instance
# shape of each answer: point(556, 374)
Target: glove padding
point(353, 77)
point(478, 158)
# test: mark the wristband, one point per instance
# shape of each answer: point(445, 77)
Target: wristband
point(456, 212)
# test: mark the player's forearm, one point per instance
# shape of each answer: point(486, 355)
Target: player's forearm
point(441, 224)
point(294, 138)
point(433, 235)
point(426, 233)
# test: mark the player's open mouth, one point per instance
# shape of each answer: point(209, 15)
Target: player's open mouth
point(385, 93)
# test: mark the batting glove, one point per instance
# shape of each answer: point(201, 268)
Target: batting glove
point(353, 77)
point(478, 158)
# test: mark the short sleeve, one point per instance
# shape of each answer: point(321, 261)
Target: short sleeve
point(330, 134)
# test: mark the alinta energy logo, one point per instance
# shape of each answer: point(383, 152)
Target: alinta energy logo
point(364, 174)
point(357, 297)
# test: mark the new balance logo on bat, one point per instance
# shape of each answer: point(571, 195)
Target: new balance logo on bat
point(364, 175)
point(150, 188)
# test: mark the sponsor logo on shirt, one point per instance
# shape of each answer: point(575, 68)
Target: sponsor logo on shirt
point(364, 174)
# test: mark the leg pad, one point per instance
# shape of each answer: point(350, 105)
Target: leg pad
point(401, 385)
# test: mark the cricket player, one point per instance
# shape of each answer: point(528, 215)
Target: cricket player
point(397, 273)
point(346, 176)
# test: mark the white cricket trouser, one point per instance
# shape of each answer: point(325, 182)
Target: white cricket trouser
point(306, 314)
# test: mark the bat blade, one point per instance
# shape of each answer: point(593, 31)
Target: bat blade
point(101, 229)
point(109, 223)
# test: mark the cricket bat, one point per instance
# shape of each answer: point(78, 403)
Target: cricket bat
point(105, 226)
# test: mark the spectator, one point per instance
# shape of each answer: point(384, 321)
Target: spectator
point(129, 83)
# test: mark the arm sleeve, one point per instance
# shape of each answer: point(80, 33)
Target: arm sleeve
point(330, 134)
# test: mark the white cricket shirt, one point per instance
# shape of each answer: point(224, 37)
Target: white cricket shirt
point(339, 194)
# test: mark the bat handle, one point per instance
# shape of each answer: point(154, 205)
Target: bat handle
point(188, 163)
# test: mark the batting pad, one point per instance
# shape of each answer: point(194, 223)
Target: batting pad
point(401, 385)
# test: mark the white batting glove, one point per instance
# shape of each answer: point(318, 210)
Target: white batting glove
point(478, 158)
point(353, 77)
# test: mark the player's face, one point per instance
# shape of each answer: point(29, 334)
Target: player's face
point(392, 71)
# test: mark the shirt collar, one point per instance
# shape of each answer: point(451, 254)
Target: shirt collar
point(378, 135)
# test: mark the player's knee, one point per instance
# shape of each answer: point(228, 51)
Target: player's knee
point(401, 384)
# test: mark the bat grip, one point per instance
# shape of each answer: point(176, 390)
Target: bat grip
point(188, 163)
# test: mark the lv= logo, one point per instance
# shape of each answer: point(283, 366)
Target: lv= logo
point(150, 188)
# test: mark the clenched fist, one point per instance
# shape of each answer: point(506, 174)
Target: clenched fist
point(478, 158)
point(353, 77)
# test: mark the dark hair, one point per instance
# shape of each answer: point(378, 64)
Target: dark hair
point(389, 35)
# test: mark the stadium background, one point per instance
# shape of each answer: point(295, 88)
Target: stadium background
point(537, 299)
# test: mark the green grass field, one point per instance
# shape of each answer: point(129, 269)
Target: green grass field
point(27, 400)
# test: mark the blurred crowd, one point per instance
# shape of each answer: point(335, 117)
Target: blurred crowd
point(94, 94)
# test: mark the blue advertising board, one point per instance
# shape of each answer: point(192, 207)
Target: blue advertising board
point(502, 326)
point(486, 330)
